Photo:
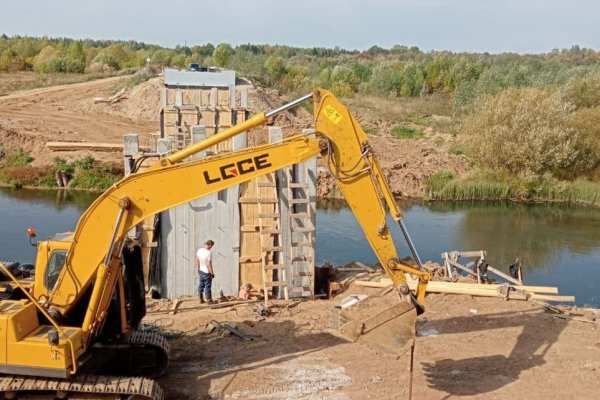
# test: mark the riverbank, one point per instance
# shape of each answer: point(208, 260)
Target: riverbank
point(414, 139)
point(85, 173)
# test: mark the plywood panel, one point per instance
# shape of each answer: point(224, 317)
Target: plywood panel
point(250, 265)
point(208, 117)
point(226, 118)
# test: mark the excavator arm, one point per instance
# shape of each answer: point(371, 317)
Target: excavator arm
point(92, 267)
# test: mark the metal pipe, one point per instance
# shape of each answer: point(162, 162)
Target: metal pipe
point(114, 235)
point(411, 246)
point(288, 105)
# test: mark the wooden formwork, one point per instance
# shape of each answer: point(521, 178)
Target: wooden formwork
point(214, 108)
point(251, 255)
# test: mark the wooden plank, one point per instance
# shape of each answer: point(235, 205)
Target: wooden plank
point(75, 146)
point(275, 283)
point(301, 244)
point(301, 258)
point(457, 265)
point(299, 201)
point(298, 185)
point(273, 248)
point(433, 285)
point(533, 289)
point(254, 200)
point(469, 254)
point(302, 229)
point(505, 276)
point(451, 288)
point(547, 297)
point(275, 266)
point(301, 215)
point(251, 259)
point(268, 215)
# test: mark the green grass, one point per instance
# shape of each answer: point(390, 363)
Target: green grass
point(19, 159)
point(419, 119)
point(370, 130)
point(402, 132)
point(442, 186)
point(457, 150)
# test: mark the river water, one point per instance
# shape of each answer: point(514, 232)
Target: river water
point(558, 245)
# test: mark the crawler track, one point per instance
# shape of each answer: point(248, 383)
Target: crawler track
point(82, 387)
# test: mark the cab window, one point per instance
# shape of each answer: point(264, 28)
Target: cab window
point(55, 265)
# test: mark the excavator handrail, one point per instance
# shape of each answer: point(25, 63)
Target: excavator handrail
point(7, 272)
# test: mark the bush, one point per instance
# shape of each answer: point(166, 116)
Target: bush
point(583, 92)
point(20, 176)
point(102, 176)
point(527, 132)
point(19, 159)
point(63, 165)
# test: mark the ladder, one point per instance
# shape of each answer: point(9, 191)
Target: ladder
point(302, 234)
point(269, 227)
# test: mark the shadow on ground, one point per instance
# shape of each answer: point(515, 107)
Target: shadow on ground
point(488, 372)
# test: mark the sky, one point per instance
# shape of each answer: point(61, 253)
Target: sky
point(495, 26)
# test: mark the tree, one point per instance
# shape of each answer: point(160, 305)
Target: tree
point(75, 60)
point(222, 54)
point(275, 69)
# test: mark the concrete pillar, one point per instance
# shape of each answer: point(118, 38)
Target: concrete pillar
point(244, 98)
point(163, 97)
point(232, 97)
point(131, 147)
point(163, 146)
point(198, 135)
point(214, 93)
point(275, 134)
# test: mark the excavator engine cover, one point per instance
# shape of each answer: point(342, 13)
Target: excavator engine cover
point(385, 323)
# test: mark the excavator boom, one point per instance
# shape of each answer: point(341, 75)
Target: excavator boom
point(55, 331)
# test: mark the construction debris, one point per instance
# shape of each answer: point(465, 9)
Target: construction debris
point(505, 291)
point(224, 326)
point(115, 98)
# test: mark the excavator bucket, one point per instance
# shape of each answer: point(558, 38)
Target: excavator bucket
point(385, 323)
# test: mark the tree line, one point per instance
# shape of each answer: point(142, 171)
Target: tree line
point(400, 71)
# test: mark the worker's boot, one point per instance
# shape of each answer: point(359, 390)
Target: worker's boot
point(201, 298)
point(209, 299)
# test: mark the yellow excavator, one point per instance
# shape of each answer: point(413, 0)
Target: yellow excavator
point(72, 332)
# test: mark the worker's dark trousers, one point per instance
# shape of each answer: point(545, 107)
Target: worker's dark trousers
point(205, 283)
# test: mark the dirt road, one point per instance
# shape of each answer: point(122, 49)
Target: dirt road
point(29, 119)
point(476, 348)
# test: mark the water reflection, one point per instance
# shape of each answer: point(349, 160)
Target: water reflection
point(57, 198)
point(537, 234)
point(50, 211)
point(557, 244)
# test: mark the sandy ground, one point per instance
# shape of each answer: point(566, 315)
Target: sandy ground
point(29, 119)
point(479, 348)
